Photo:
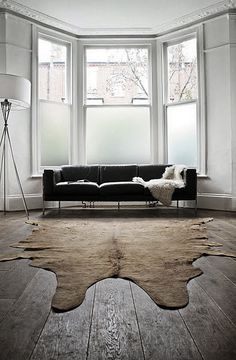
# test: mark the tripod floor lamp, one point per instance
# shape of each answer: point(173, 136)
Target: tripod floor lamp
point(15, 94)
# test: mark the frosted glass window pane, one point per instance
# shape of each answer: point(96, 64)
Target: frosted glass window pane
point(54, 129)
point(117, 75)
point(182, 134)
point(118, 135)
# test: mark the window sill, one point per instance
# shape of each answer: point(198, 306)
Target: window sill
point(36, 176)
point(202, 176)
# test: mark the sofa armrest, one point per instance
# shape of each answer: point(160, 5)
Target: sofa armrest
point(191, 182)
point(50, 179)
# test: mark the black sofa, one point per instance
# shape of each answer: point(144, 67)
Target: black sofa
point(110, 183)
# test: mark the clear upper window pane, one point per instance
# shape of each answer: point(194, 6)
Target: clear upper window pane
point(52, 71)
point(182, 71)
point(117, 76)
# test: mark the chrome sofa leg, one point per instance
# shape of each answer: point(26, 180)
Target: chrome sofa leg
point(43, 207)
point(195, 209)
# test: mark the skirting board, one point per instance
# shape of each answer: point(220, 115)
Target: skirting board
point(205, 201)
point(216, 201)
point(15, 202)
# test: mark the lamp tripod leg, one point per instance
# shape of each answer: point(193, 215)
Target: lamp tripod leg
point(17, 174)
point(2, 137)
point(3, 167)
point(4, 174)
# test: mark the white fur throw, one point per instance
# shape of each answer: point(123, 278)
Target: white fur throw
point(162, 189)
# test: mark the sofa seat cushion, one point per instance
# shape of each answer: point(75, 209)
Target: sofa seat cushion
point(121, 188)
point(77, 188)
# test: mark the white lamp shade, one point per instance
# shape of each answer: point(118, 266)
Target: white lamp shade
point(16, 89)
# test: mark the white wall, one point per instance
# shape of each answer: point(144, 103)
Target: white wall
point(2, 43)
point(15, 41)
point(218, 190)
point(232, 33)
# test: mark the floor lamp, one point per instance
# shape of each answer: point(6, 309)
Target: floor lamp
point(15, 94)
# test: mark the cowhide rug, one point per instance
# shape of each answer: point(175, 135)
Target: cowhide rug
point(156, 254)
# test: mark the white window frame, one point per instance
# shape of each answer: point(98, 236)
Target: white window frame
point(172, 39)
point(150, 45)
point(41, 33)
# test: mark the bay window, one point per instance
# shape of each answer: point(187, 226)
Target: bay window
point(117, 105)
point(117, 115)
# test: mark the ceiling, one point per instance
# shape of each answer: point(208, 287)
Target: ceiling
point(118, 16)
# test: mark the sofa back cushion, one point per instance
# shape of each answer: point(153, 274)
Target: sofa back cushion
point(80, 172)
point(148, 172)
point(112, 173)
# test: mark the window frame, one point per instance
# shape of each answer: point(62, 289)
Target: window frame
point(57, 38)
point(172, 39)
point(118, 44)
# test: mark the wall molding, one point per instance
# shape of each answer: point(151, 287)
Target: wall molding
point(197, 16)
point(16, 46)
point(26, 12)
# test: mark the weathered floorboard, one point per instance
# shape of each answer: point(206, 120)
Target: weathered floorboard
point(221, 231)
point(213, 333)
point(20, 329)
point(19, 275)
point(114, 329)
point(226, 265)
point(65, 335)
point(226, 245)
point(163, 332)
point(218, 287)
point(5, 306)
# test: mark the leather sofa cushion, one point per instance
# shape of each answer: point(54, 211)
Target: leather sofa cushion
point(77, 188)
point(80, 172)
point(121, 188)
point(148, 172)
point(117, 173)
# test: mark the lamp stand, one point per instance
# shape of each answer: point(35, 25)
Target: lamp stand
point(6, 107)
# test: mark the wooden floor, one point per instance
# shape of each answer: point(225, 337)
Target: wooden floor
point(118, 320)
